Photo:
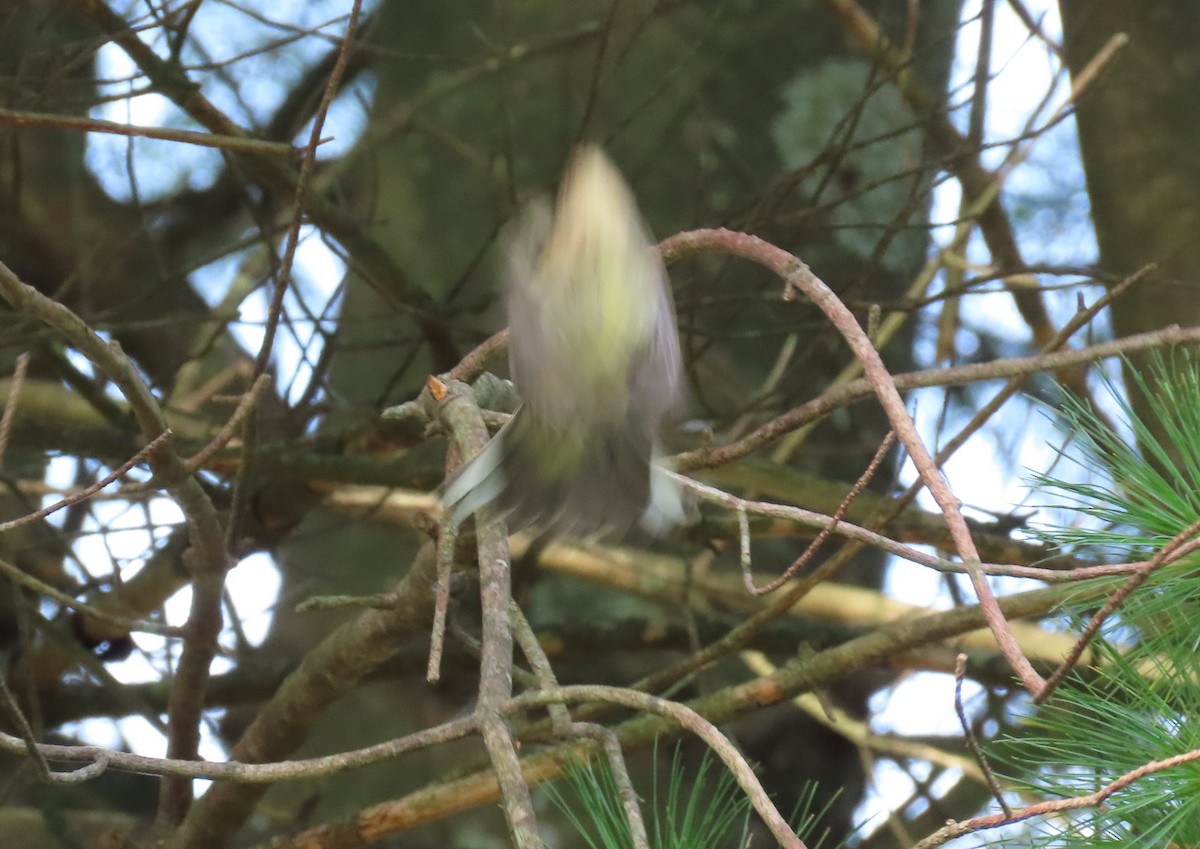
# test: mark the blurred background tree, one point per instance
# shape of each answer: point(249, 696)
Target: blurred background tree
point(841, 133)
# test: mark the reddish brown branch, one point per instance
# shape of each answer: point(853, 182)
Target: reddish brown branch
point(799, 279)
point(1179, 546)
point(824, 534)
point(954, 830)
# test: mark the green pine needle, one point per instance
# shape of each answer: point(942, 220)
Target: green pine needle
point(707, 812)
point(1141, 700)
point(702, 817)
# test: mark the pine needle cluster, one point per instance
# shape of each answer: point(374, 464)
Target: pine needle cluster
point(1138, 701)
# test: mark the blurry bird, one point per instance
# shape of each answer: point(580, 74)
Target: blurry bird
point(594, 355)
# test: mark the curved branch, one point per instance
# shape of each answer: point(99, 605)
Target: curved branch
point(799, 278)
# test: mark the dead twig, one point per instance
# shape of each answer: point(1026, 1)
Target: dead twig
point(960, 673)
point(825, 532)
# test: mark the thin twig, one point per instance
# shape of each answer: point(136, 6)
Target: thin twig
point(495, 682)
point(10, 403)
point(611, 745)
point(562, 724)
point(1034, 26)
point(91, 489)
point(69, 602)
point(824, 533)
point(800, 279)
point(29, 740)
point(403, 506)
point(228, 430)
point(250, 773)
point(283, 274)
point(856, 390)
point(238, 144)
point(472, 365)
point(447, 542)
point(953, 830)
point(1178, 546)
point(960, 673)
point(543, 672)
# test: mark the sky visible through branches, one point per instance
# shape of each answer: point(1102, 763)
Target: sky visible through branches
point(1050, 208)
point(1046, 196)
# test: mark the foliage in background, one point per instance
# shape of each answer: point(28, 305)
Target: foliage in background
point(1140, 700)
point(706, 810)
point(789, 121)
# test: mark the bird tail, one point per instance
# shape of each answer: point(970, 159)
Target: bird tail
point(566, 482)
